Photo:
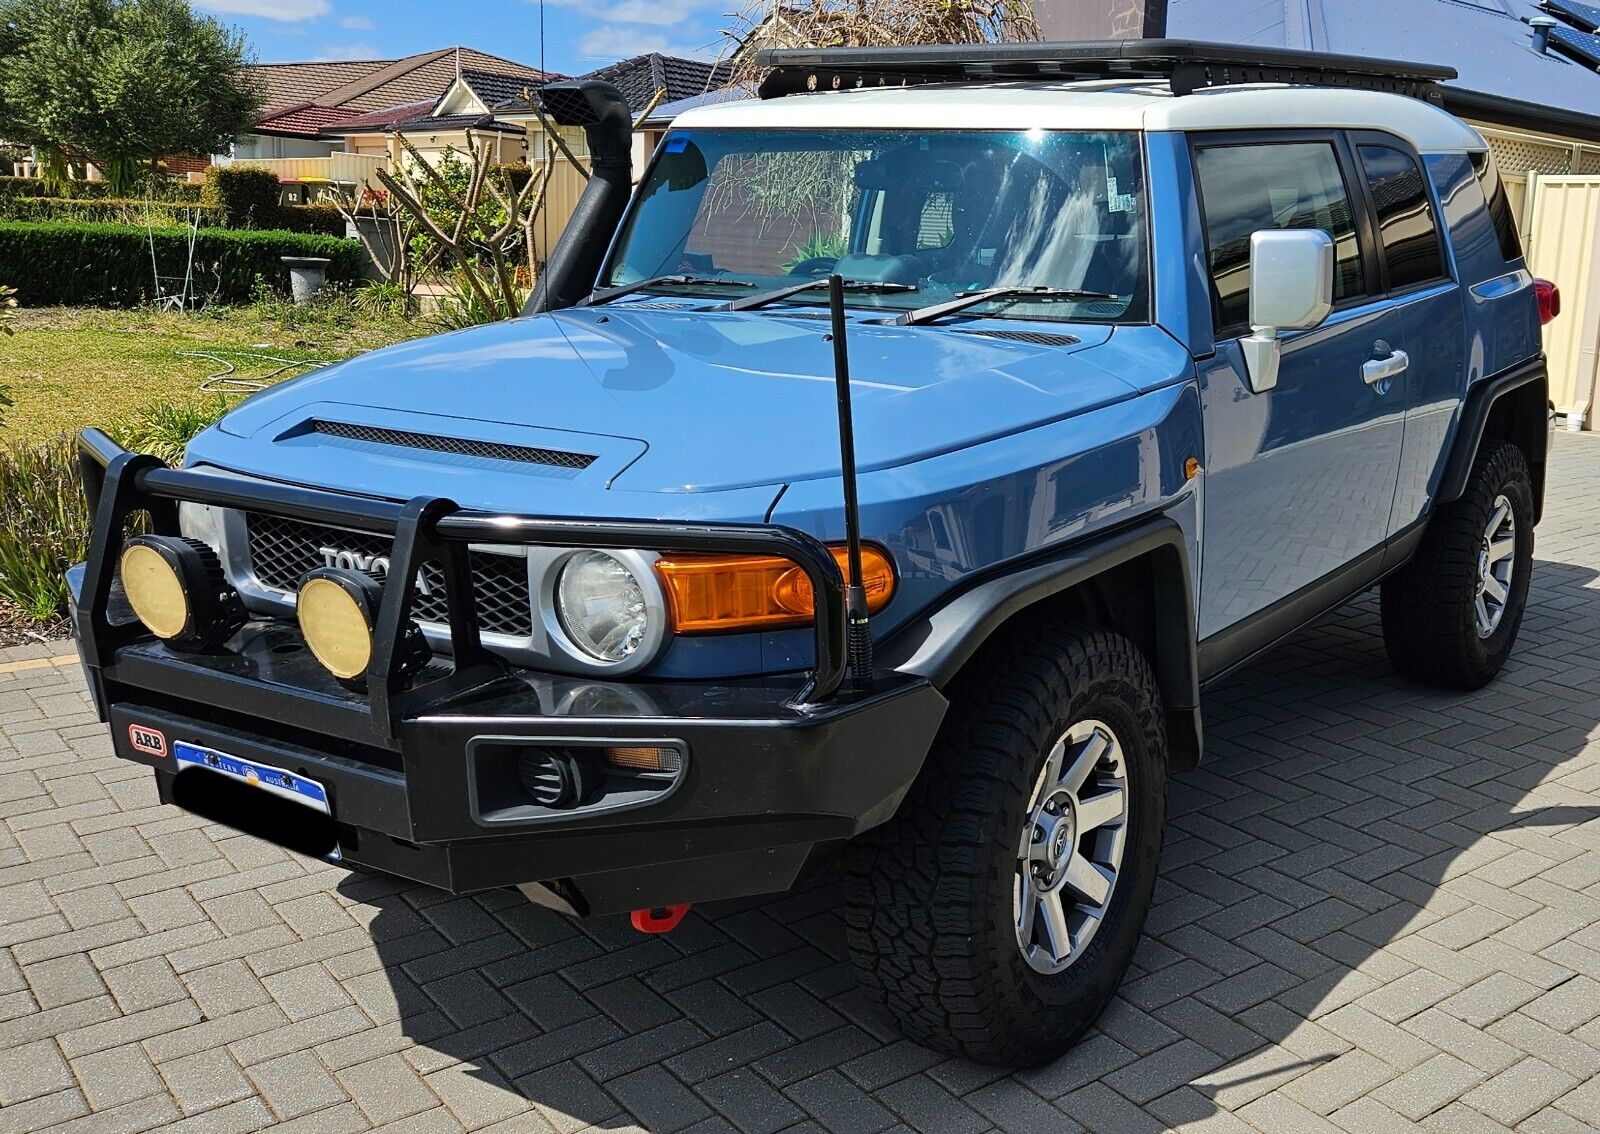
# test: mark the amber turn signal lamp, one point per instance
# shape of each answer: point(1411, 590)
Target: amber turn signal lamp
point(643, 759)
point(711, 594)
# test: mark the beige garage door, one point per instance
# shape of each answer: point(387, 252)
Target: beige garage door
point(1563, 245)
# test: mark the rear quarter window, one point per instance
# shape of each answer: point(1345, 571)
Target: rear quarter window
point(1406, 225)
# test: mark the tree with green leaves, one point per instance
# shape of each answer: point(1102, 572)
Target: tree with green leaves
point(122, 82)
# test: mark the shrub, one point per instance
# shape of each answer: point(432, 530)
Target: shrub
point(322, 220)
point(165, 189)
point(164, 429)
point(110, 265)
point(114, 210)
point(245, 197)
point(44, 526)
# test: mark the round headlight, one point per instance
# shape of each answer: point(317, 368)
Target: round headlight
point(155, 590)
point(601, 606)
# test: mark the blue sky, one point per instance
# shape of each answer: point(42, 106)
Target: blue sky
point(579, 34)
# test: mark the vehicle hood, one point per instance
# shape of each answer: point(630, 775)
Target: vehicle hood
point(669, 401)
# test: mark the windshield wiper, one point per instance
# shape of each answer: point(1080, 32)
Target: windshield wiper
point(751, 302)
point(1012, 294)
point(595, 299)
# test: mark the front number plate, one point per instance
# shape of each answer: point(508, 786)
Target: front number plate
point(286, 785)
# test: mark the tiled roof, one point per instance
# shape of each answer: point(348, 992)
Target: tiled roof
point(379, 120)
point(642, 76)
point(495, 89)
point(287, 84)
point(456, 122)
point(304, 120)
point(662, 116)
point(379, 84)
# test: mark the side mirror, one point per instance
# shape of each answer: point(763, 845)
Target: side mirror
point(1291, 289)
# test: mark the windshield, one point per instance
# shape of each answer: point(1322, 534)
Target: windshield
point(938, 213)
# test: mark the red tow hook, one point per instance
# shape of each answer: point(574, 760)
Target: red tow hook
point(660, 919)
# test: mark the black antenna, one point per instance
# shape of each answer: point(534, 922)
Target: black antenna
point(858, 633)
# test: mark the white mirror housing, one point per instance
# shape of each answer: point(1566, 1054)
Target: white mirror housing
point(1291, 289)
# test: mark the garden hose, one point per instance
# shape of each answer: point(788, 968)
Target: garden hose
point(226, 380)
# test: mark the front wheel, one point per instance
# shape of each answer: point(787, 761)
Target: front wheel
point(1451, 615)
point(995, 915)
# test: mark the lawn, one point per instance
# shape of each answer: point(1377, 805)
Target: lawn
point(67, 368)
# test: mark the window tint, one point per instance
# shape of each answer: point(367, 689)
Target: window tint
point(1405, 216)
point(1273, 185)
point(1494, 191)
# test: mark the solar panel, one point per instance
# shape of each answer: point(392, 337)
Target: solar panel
point(1586, 16)
point(1585, 45)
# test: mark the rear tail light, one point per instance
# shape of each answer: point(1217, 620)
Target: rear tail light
point(1549, 300)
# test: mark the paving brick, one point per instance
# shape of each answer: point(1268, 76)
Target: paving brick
point(749, 1102)
point(1429, 1086)
point(295, 1084)
point(31, 1070)
point(475, 1096)
point(839, 1105)
point(1520, 1091)
point(657, 1100)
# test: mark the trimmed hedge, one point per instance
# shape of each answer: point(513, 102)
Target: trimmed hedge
point(107, 265)
point(322, 220)
point(164, 190)
point(113, 210)
point(245, 197)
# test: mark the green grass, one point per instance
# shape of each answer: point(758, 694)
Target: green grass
point(67, 368)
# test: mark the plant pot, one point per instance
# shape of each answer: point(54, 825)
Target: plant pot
point(307, 274)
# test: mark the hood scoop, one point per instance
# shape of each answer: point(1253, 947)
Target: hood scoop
point(457, 446)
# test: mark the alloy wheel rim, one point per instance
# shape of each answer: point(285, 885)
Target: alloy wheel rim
point(1497, 563)
point(1071, 850)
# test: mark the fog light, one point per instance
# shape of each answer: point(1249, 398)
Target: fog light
point(338, 610)
point(554, 777)
point(179, 591)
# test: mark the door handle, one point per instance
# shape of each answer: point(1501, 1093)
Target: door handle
point(1383, 369)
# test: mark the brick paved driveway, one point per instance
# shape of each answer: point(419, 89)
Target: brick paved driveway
point(1380, 907)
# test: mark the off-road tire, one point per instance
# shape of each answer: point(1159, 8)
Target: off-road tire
point(1429, 624)
point(930, 904)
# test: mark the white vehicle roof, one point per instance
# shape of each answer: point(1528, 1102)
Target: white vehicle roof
point(1098, 105)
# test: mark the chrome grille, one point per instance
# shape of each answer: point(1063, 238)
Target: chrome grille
point(459, 446)
point(283, 550)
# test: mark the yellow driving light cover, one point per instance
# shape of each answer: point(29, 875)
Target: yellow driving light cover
point(178, 590)
point(337, 610)
point(155, 591)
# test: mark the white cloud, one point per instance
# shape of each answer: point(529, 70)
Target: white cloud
point(657, 13)
point(357, 23)
point(614, 42)
point(285, 11)
point(340, 52)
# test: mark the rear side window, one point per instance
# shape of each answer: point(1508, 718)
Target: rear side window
point(1405, 216)
point(1494, 191)
point(1246, 188)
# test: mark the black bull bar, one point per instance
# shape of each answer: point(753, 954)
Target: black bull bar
point(120, 484)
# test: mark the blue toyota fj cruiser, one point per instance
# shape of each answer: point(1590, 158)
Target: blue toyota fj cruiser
point(881, 479)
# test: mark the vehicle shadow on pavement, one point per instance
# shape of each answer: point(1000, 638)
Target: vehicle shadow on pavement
point(1368, 894)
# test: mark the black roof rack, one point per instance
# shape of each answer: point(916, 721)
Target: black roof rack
point(1188, 65)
